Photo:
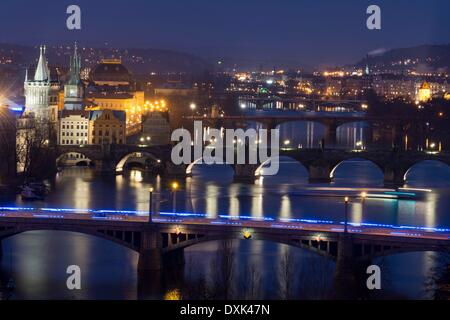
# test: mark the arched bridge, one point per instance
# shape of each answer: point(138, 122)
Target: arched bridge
point(160, 243)
point(320, 163)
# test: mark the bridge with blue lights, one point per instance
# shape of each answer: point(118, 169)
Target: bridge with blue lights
point(160, 240)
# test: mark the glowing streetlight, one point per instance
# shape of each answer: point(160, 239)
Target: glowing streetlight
point(346, 199)
point(192, 106)
point(150, 207)
point(287, 142)
point(174, 190)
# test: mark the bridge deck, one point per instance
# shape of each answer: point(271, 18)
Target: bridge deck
point(135, 219)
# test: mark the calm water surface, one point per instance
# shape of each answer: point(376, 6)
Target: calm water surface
point(38, 260)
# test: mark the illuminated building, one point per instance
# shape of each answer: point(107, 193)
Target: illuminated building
point(391, 86)
point(107, 127)
point(114, 89)
point(424, 92)
point(37, 90)
point(73, 127)
point(434, 87)
point(36, 128)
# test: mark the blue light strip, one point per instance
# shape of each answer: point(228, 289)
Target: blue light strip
point(99, 214)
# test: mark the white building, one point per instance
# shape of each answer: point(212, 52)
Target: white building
point(73, 128)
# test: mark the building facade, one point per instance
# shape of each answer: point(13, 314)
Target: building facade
point(155, 129)
point(107, 127)
point(73, 128)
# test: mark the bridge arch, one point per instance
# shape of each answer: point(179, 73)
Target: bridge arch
point(323, 247)
point(373, 163)
point(73, 158)
point(128, 239)
point(190, 167)
point(303, 168)
point(445, 166)
point(144, 156)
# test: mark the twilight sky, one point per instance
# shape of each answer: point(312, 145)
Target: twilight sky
point(311, 32)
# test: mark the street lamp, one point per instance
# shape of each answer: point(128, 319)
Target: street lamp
point(150, 206)
point(174, 190)
point(346, 214)
point(193, 107)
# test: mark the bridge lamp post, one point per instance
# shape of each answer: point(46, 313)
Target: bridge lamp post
point(174, 190)
point(346, 199)
point(150, 206)
point(192, 106)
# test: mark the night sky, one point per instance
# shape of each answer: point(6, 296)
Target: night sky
point(310, 32)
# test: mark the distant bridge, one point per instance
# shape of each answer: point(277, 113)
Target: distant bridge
point(260, 101)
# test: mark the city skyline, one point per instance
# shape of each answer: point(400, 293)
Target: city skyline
point(255, 151)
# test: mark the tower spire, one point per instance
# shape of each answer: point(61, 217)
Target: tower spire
point(42, 72)
point(75, 67)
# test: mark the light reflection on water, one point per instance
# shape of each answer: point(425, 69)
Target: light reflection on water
point(38, 259)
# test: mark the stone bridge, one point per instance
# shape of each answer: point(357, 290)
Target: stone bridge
point(320, 163)
point(157, 242)
point(161, 245)
point(396, 126)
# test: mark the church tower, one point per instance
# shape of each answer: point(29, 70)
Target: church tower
point(37, 103)
point(73, 89)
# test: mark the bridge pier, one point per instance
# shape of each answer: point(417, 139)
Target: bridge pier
point(150, 255)
point(175, 171)
point(1, 250)
point(350, 275)
point(245, 172)
point(105, 165)
point(344, 277)
point(394, 176)
point(319, 173)
point(173, 259)
point(331, 134)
